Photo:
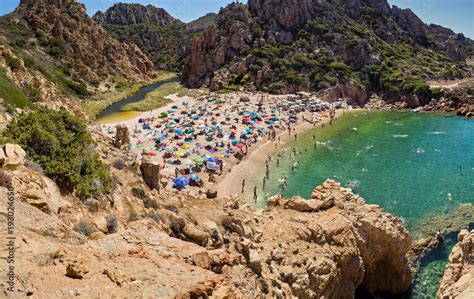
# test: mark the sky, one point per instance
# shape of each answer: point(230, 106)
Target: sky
point(455, 14)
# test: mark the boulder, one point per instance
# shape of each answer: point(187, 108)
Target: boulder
point(77, 269)
point(254, 262)
point(37, 190)
point(122, 138)
point(12, 156)
point(151, 173)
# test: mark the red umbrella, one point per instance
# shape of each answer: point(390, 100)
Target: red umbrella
point(150, 153)
point(240, 145)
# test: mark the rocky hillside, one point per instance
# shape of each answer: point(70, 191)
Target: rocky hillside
point(290, 45)
point(159, 35)
point(458, 280)
point(52, 52)
point(202, 23)
point(135, 241)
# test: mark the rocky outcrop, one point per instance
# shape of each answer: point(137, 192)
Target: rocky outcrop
point(285, 46)
point(163, 38)
point(132, 14)
point(458, 280)
point(12, 156)
point(36, 190)
point(151, 173)
point(371, 245)
point(122, 138)
point(84, 48)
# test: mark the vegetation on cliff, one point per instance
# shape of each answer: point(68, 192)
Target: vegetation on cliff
point(159, 35)
point(60, 143)
point(313, 45)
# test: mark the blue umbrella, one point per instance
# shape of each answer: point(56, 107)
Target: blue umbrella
point(181, 182)
point(178, 131)
point(212, 160)
point(235, 141)
point(194, 177)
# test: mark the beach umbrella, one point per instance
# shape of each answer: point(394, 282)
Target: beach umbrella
point(178, 132)
point(212, 160)
point(150, 153)
point(194, 177)
point(181, 182)
point(198, 160)
point(240, 145)
point(164, 114)
point(219, 156)
point(179, 154)
point(185, 146)
point(235, 141)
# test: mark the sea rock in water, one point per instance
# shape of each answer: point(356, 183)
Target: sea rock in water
point(458, 279)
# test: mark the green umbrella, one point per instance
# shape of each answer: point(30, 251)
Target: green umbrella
point(198, 160)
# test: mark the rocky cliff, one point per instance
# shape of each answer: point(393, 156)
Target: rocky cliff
point(291, 45)
point(136, 241)
point(132, 14)
point(163, 38)
point(458, 280)
point(85, 50)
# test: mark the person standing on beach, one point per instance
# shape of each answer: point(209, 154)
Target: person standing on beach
point(278, 162)
point(296, 136)
point(243, 186)
point(255, 194)
point(264, 181)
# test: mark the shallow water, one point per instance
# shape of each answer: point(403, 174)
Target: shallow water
point(114, 113)
point(413, 165)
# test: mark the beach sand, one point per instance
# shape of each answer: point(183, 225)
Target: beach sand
point(234, 171)
point(231, 183)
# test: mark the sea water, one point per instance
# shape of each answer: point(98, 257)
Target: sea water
point(415, 166)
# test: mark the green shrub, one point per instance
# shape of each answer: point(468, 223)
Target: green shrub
point(13, 63)
point(60, 144)
point(33, 93)
point(276, 87)
point(13, 96)
point(78, 87)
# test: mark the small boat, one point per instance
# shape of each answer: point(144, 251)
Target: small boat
point(416, 110)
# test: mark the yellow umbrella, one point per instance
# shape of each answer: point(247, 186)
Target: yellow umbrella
point(185, 146)
point(179, 154)
point(219, 156)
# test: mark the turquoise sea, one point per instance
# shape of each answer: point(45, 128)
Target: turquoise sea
point(415, 166)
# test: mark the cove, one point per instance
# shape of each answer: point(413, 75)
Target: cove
point(114, 113)
point(415, 166)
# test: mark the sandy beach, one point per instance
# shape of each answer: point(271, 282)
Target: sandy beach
point(231, 183)
point(238, 131)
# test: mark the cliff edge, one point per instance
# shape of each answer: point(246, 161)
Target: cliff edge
point(458, 279)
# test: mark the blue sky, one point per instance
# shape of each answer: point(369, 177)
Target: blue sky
point(455, 14)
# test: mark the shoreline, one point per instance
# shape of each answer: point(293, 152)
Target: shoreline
point(231, 183)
